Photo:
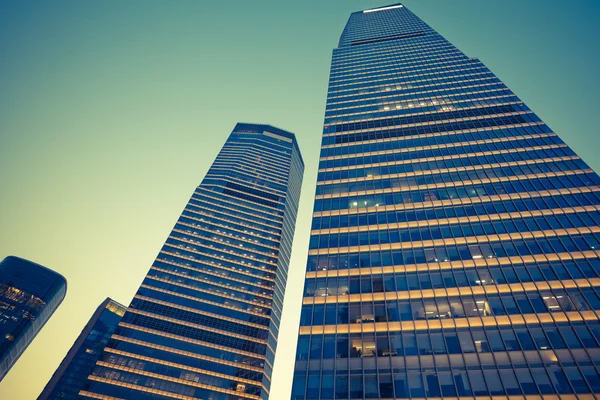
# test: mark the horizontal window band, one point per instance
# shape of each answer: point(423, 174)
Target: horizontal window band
point(221, 182)
point(273, 169)
point(270, 216)
point(495, 121)
point(444, 266)
point(235, 168)
point(255, 311)
point(199, 312)
point(452, 323)
point(350, 57)
point(399, 106)
point(347, 52)
point(219, 232)
point(219, 229)
point(227, 249)
point(429, 117)
point(349, 108)
point(269, 155)
point(229, 224)
point(252, 263)
point(243, 195)
point(213, 265)
point(216, 275)
point(458, 291)
point(224, 169)
point(458, 220)
point(202, 300)
point(216, 241)
point(175, 365)
point(201, 207)
point(351, 79)
point(390, 89)
point(387, 38)
point(436, 146)
point(439, 63)
point(449, 170)
point(437, 52)
point(348, 85)
point(199, 356)
point(166, 378)
point(439, 60)
point(383, 70)
point(259, 193)
point(450, 183)
point(458, 240)
point(447, 129)
point(192, 341)
point(271, 270)
point(280, 149)
point(220, 254)
point(246, 153)
point(383, 92)
point(91, 395)
point(450, 156)
point(460, 201)
point(404, 102)
point(405, 63)
point(164, 318)
point(397, 79)
point(274, 151)
point(442, 185)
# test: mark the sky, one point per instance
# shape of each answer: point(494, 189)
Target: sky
point(112, 111)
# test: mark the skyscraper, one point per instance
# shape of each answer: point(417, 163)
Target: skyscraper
point(204, 322)
point(29, 295)
point(454, 244)
point(72, 373)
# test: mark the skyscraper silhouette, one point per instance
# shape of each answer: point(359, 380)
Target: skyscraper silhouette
point(29, 295)
point(454, 245)
point(72, 373)
point(205, 320)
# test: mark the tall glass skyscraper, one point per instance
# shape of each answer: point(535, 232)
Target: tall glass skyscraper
point(454, 245)
point(72, 373)
point(29, 295)
point(204, 322)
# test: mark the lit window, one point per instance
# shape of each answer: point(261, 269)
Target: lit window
point(552, 302)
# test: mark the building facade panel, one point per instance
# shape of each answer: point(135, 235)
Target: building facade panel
point(455, 237)
point(204, 322)
point(29, 295)
point(71, 375)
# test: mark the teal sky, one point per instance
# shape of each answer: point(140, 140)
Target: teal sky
point(112, 111)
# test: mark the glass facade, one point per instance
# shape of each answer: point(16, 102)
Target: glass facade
point(204, 322)
point(79, 362)
point(454, 244)
point(29, 295)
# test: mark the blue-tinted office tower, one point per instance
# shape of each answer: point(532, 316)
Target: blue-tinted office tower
point(29, 295)
point(71, 375)
point(204, 322)
point(454, 246)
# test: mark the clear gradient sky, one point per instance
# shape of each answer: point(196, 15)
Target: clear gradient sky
point(112, 111)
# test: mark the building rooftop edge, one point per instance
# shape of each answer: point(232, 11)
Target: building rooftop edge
point(110, 300)
point(378, 8)
point(273, 129)
point(58, 274)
